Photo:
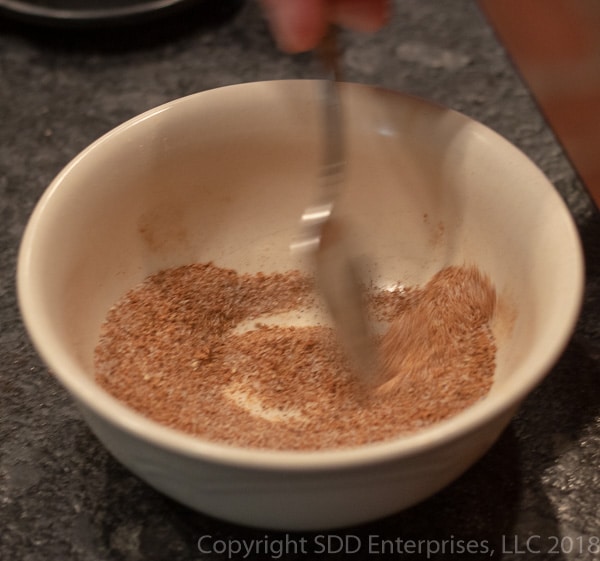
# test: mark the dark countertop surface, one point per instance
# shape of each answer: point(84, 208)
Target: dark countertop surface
point(62, 496)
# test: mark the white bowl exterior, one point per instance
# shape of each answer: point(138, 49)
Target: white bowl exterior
point(223, 176)
point(297, 499)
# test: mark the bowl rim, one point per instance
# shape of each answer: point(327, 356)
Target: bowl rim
point(111, 410)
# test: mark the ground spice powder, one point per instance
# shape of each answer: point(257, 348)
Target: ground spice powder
point(192, 348)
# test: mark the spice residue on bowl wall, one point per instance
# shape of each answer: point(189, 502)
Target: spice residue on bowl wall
point(195, 348)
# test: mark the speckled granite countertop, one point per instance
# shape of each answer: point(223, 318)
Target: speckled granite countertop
point(63, 497)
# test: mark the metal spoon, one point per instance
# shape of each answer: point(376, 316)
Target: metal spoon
point(325, 235)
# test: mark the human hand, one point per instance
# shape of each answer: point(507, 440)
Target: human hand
point(299, 25)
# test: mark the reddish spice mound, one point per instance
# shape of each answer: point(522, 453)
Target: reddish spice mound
point(174, 350)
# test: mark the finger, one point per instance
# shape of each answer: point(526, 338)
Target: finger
point(360, 15)
point(297, 25)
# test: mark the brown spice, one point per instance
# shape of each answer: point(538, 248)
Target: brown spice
point(174, 350)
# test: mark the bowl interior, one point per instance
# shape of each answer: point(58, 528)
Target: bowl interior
point(223, 176)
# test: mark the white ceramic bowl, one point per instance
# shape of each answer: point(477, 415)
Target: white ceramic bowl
point(223, 175)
